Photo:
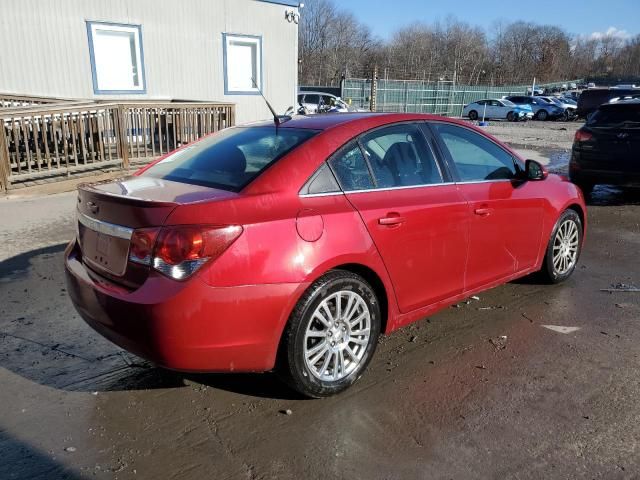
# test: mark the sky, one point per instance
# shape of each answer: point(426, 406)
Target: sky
point(580, 17)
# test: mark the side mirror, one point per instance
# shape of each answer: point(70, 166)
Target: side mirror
point(534, 170)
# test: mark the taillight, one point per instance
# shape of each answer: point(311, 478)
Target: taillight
point(142, 242)
point(582, 136)
point(181, 250)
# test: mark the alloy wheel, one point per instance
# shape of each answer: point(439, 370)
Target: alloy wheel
point(337, 336)
point(565, 247)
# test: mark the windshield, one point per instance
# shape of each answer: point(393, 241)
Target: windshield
point(615, 117)
point(508, 103)
point(231, 159)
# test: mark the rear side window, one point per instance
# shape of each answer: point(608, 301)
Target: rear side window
point(400, 156)
point(311, 99)
point(351, 168)
point(476, 158)
point(231, 159)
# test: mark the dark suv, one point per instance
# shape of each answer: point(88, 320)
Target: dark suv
point(605, 150)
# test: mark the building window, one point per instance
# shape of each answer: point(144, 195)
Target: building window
point(117, 61)
point(242, 64)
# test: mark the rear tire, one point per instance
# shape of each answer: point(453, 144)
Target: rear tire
point(564, 248)
point(331, 335)
point(473, 115)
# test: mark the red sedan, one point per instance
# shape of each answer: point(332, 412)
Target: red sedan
point(294, 246)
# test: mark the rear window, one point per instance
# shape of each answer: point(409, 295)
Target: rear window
point(231, 159)
point(621, 116)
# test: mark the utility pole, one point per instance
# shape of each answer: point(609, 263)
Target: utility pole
point(374, 89)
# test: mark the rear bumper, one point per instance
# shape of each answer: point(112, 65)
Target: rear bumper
point(188, 326)
point(593, 173)
point(602, 177)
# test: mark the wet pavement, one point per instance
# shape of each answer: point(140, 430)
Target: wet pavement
point(490, 389)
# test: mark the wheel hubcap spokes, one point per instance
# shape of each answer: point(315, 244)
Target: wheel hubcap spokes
point(337, 337)
point(565, 247)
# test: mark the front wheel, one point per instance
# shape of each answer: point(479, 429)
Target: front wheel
point(511, 117)
point(542, 115)
point(331, 335)
point(563, 249)
point(473, 115)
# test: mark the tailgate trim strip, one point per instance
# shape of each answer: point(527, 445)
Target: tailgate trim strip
point(104, 227)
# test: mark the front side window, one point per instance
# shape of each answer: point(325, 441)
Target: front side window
point(400, 156)
point(117, 62)
point(476, 158)
point(242, 64)
point(231, 159)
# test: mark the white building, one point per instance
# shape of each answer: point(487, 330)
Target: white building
point(206, 50)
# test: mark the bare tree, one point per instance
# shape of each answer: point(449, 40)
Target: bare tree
point(334, 43)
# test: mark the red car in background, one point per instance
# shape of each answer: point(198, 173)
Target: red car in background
point(294, 246)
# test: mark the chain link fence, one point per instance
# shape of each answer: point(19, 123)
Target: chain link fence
point(416, 96)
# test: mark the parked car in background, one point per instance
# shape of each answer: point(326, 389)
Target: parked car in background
point(294, 246)
point(320, 102)
point(569, 106)
point(536, 91)
point(606, 150)
point(497, 109)
point(625, 97)
point(542, 109)
point(591, 99)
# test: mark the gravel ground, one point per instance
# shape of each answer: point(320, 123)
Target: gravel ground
point(536, 135)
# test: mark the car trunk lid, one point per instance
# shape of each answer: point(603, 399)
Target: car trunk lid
point(109, 212)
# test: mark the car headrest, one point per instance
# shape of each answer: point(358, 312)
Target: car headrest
point(233, 161)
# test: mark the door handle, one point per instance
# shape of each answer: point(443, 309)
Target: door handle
point(483, 211)
point(391, 219)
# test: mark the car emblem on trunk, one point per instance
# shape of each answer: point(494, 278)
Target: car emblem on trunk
point(622, 135)
point(93, 208)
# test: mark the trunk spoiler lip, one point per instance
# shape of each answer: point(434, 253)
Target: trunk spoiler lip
point(137, 201)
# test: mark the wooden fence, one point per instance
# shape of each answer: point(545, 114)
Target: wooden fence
point(61, 139)
point(8, 100)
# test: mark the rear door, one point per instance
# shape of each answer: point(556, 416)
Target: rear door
point(505, 212)
point(416, 216)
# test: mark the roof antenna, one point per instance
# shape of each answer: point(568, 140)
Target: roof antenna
point(277, 119)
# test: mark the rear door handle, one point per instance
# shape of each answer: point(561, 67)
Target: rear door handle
point(483, 211)
point(391, 219)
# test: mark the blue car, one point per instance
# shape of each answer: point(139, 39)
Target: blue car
point(542, 109)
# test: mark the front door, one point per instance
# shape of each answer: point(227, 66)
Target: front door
point(417, 219)
point(505, 212)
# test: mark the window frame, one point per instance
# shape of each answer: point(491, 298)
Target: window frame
point(430, 140)
point(259, 63)
point(92, 58)
point(451, 164)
